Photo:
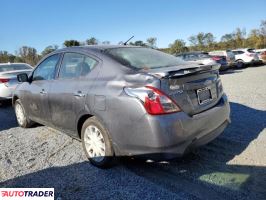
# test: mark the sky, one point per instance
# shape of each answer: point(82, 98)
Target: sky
point(39, 23)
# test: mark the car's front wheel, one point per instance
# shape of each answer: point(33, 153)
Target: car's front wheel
point(240, 64)
point(96, 143)
point(22, 118)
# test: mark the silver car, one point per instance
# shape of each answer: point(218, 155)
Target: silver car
point(124, 101)
point(8, 78)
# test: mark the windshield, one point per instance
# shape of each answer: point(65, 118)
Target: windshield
point(143, 58)
point(13, 67)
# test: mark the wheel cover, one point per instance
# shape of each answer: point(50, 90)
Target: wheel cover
point(239, 64)
point(94, 143)
point(19, 114)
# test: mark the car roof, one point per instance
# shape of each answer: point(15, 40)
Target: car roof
point(96, 47)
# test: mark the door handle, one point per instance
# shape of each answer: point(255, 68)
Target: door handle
point(43, 92)
point(79, 94)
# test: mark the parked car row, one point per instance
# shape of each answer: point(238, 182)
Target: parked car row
point(238, 58)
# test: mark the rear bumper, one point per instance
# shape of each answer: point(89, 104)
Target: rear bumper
point(172, 135)
point(6, 92)
point(258, 62)
point(252, 61)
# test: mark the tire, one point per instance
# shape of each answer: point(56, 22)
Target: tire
point(97, 143)
point(240, 64)
point(22, 118)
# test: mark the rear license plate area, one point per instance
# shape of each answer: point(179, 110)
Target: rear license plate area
point(204, 95)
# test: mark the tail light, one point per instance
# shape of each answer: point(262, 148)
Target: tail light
point(4, 80)
point(154, 101)
point(216, 58)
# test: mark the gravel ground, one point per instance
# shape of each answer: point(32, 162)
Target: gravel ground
point(231, 167)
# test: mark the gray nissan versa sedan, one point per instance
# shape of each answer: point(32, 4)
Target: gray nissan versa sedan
point(124, 101)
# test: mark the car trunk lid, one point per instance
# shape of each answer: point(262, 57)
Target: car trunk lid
point(10, 77)
point(194, 88)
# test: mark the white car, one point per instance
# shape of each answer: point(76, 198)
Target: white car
point(245, 57)
point(8, 78)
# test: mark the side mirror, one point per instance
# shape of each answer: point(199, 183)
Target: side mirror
point(23, 77)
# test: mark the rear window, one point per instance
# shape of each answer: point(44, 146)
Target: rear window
point(204, 55)
point(238, 52)
point(143, 58)
point(196, 56)
point(251, 50)
point(13, 67)
point(217, 53)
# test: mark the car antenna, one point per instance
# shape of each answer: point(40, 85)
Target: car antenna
point(125, 43)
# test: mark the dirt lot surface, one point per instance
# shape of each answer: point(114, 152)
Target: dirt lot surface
point(231, 167)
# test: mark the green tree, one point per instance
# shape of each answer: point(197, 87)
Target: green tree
point(263, 32)
point(152, 42)
point(255, 39)
point(4, 57)
point(193, 42)
point(49, 49)
point(70, 43)
point(28, 55)
point(138, 43)
point(202, 41)
point(178, 46)
point(209, 41)
point(240, 37)
point(228, 41)
point(92, 41)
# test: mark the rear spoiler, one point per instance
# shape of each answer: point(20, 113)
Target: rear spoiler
point(185, 71)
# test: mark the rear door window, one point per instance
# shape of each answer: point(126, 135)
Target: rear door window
point(75, 65)
point(71, 65)
point(89, 64)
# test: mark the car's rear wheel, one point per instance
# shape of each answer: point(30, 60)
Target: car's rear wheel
point(22, 118)
point(240, 64)
point(96, 143)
